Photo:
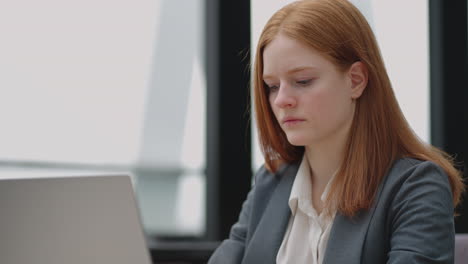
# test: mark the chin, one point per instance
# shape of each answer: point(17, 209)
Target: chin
point(297, 141)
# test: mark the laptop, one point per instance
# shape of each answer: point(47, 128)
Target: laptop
point(71, 220)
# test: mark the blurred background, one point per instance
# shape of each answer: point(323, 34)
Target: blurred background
point(159, 89)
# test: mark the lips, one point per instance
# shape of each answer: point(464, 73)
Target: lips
point(292, 120)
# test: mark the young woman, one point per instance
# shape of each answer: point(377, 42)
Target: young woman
point(345, 179)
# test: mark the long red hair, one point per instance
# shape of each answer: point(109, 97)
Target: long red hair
point(379, 133)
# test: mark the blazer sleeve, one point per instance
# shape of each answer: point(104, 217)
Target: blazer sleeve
point(422, 224)
point(231, 250)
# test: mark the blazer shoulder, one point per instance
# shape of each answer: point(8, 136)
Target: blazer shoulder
point(411, 178)
point(406, 169)
point(265, 177)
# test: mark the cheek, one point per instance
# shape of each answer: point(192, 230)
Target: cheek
point(341, 113)
point(319, 103)
point(329, 105)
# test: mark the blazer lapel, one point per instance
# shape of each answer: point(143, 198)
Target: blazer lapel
point(347, 235)
point(266, 240)
point(347, 238)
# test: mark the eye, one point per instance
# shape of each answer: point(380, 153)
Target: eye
point(304, 82)
point(271, 88)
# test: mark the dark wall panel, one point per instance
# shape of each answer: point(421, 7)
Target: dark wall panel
point(228, 132)
point(449, 85)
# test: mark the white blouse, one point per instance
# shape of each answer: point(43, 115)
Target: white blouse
point(306, 238)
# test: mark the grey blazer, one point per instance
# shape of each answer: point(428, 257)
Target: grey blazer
point(411, 220)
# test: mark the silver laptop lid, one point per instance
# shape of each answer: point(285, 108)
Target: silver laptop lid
point(73, 220)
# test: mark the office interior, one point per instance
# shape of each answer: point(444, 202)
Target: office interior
point(160, 90)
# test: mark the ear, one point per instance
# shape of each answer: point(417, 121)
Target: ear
point(359, 76)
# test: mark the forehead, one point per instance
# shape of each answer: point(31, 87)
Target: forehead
point(284, 54)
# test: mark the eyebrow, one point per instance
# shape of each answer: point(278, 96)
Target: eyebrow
point(297, 69)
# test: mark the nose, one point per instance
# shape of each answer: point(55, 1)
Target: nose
point(285, 97)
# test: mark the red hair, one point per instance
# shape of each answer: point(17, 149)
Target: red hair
point(379, 133)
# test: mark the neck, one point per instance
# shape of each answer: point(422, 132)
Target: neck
point(325, 159)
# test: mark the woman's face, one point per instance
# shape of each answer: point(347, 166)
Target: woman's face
point(310, 98)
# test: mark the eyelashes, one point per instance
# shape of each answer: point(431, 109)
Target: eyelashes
point(271, 88)
point(304, 82)
point(300, 83)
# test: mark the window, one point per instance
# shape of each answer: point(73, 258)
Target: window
point(109, 86)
